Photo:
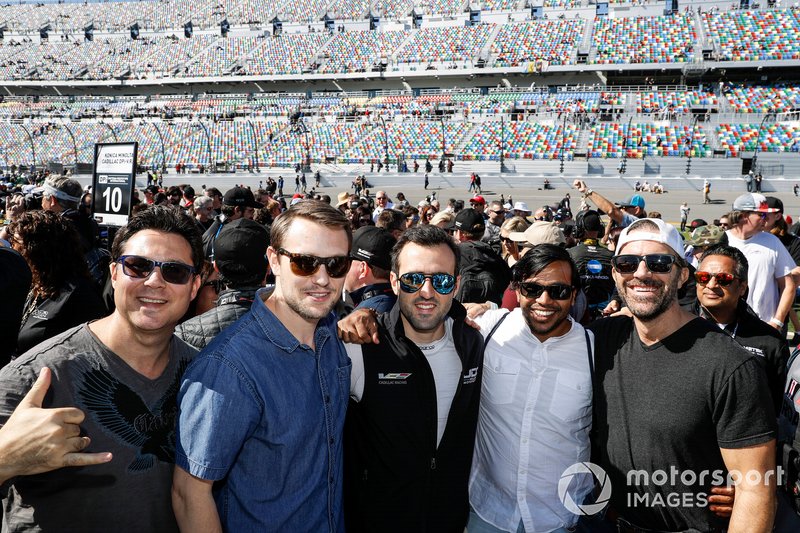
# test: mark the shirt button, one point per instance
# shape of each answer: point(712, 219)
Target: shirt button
point(529, 408)
point(524, 441)
point(331, 441)
point(327, 399)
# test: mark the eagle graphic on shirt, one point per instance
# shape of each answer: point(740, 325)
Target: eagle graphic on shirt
point(123, 415)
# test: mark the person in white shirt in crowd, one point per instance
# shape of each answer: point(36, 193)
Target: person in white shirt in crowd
point(535, 413)
point(770, 279)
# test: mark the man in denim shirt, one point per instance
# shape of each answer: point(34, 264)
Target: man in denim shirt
point(262, 410)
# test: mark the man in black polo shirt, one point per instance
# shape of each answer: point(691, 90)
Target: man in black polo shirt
point(721, 280)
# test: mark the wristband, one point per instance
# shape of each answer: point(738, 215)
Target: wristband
point(775, 321)
point(588, 193)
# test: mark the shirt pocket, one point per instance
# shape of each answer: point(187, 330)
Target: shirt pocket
point(572, 398)
point(343, 379)
point(500, 380)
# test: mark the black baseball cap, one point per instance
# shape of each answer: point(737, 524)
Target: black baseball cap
point(469, 220)
point(242, 242)
point(241, 197)
point(373, 245)
point(775, 203)
point(591, 221)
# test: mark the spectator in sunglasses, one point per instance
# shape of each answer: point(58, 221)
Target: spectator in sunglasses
point(721, 279)
point(772, 287)
point(240, 259)
point(122, 372)
point(707, 405)
point(263, 406)
point(425, 346)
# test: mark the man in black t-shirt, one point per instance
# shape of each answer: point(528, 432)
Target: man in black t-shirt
point(678, 404)
point(593, 261)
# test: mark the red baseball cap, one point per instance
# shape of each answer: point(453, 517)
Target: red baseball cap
point(478, 200)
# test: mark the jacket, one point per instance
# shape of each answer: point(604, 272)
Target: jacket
point(397, 479)
point(232, 304)
point(484, 274)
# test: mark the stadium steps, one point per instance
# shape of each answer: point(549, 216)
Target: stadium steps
point(468, 135)
point(585, 46)
point(486, 50)
point(393, 56)
point(702, 40)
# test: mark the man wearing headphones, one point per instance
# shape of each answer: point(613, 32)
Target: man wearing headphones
point(593, 262)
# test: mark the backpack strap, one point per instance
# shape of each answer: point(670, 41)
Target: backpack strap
point(494, 328)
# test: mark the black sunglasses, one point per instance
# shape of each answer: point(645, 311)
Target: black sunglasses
point(442, 283)
point(307, 265)
point(723, 278)
point(557, 291)
point(216, 284)
point(139, 267)
point(656, 263)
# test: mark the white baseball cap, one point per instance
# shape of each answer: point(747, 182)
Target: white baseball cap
point(667, 234)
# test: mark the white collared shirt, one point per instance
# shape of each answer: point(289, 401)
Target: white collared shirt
point(535, 418)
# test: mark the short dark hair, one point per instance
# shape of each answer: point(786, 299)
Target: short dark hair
point(167, 219)
point(213, 191)
point(742, 267)
point(538, 258)
point(425, 235)
point(391, 219)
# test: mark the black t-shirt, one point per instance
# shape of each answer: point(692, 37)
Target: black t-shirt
point(594, 266)
point(669, 408)
point(15, 282)
point(792, 244)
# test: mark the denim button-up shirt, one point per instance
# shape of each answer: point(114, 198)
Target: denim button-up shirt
point(263, 415)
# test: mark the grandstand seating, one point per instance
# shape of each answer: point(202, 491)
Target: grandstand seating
point(641, 140)
point(754, 35)
point(737, 138)
point(452, 43)
point(764, 99)
point(357, 51)
point(550, 40)
point(519, 140)
point(662, 39)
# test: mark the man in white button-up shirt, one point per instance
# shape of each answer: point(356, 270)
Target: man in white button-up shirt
point(535, 413)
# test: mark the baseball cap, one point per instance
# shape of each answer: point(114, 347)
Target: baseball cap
point(469, 220)
point(521, 206)
point(477, 199)
point(667, 234)
point(752, 201)
point(696, 223)
point(241, 197)
point(591, 221)
point(373, 245)
point(707, 236)
point(633, 201)
point(242, 242)
point(775, 203)
point(540, 232)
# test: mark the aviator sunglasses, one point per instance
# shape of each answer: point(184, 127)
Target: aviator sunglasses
point(723, 278)
point(656, 263)
point(442, 283)
point(307, 265)
point(557, 291)
point(139, 267)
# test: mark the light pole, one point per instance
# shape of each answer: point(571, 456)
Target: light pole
point(255, 141)
point(211, 163)
point(563, 143)
point(163, 148)
point(385, 142)
point(754, 165)
point(502, 145)
point(74, 144)
point(688, 142)
point(33, 147)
